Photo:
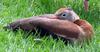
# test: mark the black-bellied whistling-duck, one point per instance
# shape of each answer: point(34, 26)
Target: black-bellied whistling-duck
point(73, 28)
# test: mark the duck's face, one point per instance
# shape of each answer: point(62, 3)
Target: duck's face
point(67, 14)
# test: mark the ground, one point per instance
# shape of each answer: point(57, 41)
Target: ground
point(11, 10)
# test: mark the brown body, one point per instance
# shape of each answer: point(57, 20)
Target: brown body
point(77, 31)
point(86, 27)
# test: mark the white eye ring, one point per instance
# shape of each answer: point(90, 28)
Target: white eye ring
point(64, 14)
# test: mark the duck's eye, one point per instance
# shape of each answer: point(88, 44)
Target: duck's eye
point(63, 14)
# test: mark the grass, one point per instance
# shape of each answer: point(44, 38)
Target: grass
point(11, 10)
